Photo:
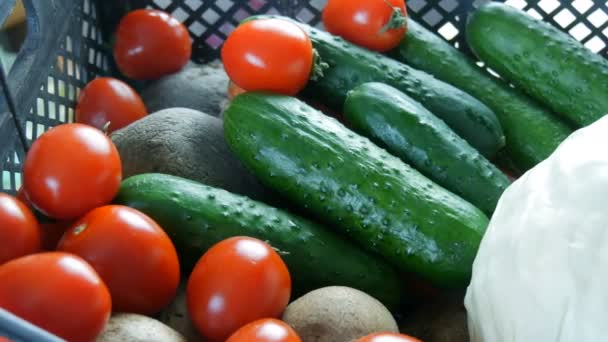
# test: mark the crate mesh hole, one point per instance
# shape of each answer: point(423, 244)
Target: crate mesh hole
point(317, 4)
point(214, 41)
point(52, 113)
point(534, 13)
point(224, 5)
point(227, 28)
point(193, 4)
point(40, 107)
point(162, 3)
point(598, 18)
point(29, 129)
point(210, 16)
point(256, 5)
point(432, 17)
point(416, 5)
point(595, 44)
point(6, 180)
point(305, 15)
point(448, 5)
point(180, 14)
point(448, 31)
point(564, 18)
point(50, 87)
point(580, 31)
point(548, 5)
point(196, 28)
point(39, 130)
point(517, 3)
point(62, 113)
point(582, 6)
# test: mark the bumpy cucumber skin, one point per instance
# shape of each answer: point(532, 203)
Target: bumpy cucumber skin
point(409, 131)
point(350, 66)
point(548, 64)
point(197, 216)
point(356, 187)
point(532, 132)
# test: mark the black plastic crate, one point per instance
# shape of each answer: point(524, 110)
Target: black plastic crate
point(67, 46)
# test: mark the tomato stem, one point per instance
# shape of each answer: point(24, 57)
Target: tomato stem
point(80, 229)
point(106, 127)
point(398, 19)
point(318, 66)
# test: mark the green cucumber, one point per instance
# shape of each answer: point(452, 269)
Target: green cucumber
point(548, 64)
point(350, 66)
point(409, 131)
point(356, 187)
point(196, 217)
point(532, 132)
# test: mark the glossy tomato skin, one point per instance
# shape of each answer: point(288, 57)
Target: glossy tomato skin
point(131, 253)
point(387, 337)
point(20, 233)
point(265, 330)
point(107, 99)
point(268, 55)
point(362, 21)
point(151, 44)
point(71, 169)
point(237, 281)
point(58, 292)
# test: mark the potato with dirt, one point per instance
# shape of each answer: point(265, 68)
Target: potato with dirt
point(198, 87)
point(189, 144)
point(338, 314)
point(137, 328)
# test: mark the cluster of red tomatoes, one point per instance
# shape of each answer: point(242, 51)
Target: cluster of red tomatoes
point(87, 258)
point(276, 55)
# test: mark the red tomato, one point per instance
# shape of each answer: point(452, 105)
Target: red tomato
point(131, 253)
point(19, 230)
point(108, 100)
point(4, 339)
point(387, 337)
point(363, 22)
point(151, 44)
point(268, 55)
point(237, 281)
point(265, 330)
point(71, 169)
point(58, 292)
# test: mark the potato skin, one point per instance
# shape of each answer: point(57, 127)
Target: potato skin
point(337, 314)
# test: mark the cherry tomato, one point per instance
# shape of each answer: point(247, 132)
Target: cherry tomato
point(237, 281)
point(364, 22)
point(132, 254)
point(108, 100)
point(151, 44)
point(265, 330)
point(19, 230)
point(387, 337)
point(58, 292)
point(71, 169)
point(268, 55)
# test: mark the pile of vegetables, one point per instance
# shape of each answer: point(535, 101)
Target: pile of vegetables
point(282, 222)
